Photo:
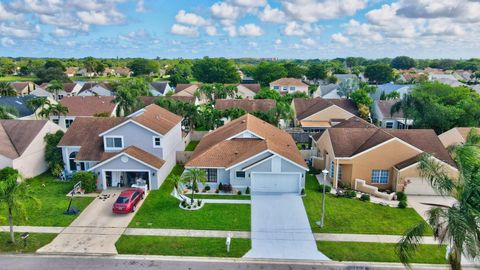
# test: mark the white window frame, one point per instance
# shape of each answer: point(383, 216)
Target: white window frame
point(379, 177)
point(244, 174)
point(276, 87)
point(159, 141)
point(113, 137)
point(284, 88)
point(389, 122)
point(292, 88)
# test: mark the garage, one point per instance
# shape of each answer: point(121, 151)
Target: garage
point(418, 186)
point(276, 182)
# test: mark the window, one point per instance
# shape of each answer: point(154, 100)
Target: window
point(292, 88)
point(60, 97)
point(240, 174)
point(113, 142)
point(332, 166)
point(388, 124)
point(82, 166)
point(55, 121)
point(285, 88)
point(71, 161)
point(68, 122)
point(211, 175)
point(156, 142)
point(380, 176)
point(276, 87)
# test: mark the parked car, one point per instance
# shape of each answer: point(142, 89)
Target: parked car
point(127, 201)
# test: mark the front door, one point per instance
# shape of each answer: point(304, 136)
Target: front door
point(108, 177)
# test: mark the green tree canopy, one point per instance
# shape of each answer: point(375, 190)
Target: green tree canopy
point(141, 66)
point(379, 73)
point(215, 70)
point(53, 154)
point(316, 72)
point(402, 62)
point(267, 72)
point(294, 70)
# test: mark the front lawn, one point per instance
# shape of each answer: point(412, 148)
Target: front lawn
point(343, 215)
point(160, 210)
point(191, 146)
point(12, 78)
point(181, 246)
point(52, 201)
point(379, 252)
point(219, 197)
point(34, 242)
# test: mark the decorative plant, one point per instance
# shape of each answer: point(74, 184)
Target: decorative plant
point(194, 176)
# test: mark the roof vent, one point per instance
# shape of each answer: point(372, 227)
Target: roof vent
point(236, 152)
point(244, 121)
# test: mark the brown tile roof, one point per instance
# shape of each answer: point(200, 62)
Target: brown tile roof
point(384, 106)
point(17, 135)
point(188, 99)
point(407, 162)
point(190, 87)
point(89, 85)
point(157, 119)
point(289, 81)
point(249, 105)
point(214, 148)
point(68, 87)
point(19, 86)
point(138, 154)
point(464, 131)
point(354, 122)
point(147, 100)
point(71, 70)
point(306, 107)
point(254, 87)
point(88, 106)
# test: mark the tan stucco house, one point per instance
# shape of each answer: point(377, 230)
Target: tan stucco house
point(289, 85)
point(383, 158)
point(456, 135)
point(22, 146)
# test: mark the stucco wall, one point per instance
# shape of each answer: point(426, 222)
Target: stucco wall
point(5, 162)
point(332, 112)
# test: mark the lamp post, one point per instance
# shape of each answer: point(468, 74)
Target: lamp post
point(321, 222)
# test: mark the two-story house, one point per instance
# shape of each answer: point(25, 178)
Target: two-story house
point(123, 151)
point(96, 89)
point(289, 85)
point(69, 90)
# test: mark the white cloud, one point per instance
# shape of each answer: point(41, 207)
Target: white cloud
point(308, 41)
point(7, 15)
point(231, 30)
point(140, 6)
point(59, 32)
point(101, 17)
point(7, 42)
point(340, 38)
point(295, 29)
point(250, 30)
point(19, 30)
point(225, 12)
point(190, 18)
point(277, 41)
point(274, 15)
point(315, 10)
point(250, 3)
point(133, 36)
point(252, 44)
point(183, 30)
point(211, 30)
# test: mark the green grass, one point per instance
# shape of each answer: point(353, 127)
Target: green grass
point(52, 201)
point(16, 78)
point(181, 246)
point(379, 252)
point(343, 215)
point(34, 242)
point(161, 210)
point(220, 197)
point(191, 146)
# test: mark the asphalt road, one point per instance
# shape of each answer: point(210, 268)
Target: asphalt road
point(41, 262)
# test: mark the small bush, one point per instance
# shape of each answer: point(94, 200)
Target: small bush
point(402, 204)
point(239, 192)
point(365, 198)
point(350, 193)
point(327, 188)
point(217, 191)
point(89, 181)
point(247, 191)
point(302, 192)
point(199, 203)
point(401, 196)
point(220, 186)
point(207, 188)
point(184, 203)
point(226, 188)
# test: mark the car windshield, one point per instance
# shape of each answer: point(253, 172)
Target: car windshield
point(122, 200)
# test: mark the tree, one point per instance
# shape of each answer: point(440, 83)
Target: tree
point(405, 105)
point(36, 103)
point(347, 86)
point(402, 62)
point(90, 63)
point(54, 87)
point(6, 112)
point(6, 89)
point(294, 70)
point(234, 113)
point(266, 93)
point(193, 177)
point(50, 74)
point(54, 63)
point(215, 70)
point(316, 72)
point(360, 96)
point(53, 154)
point(141, 66)
point(379, 73)
point(455, 225)
point(267, 72)
point(12, 195)
point(127, 95)
point(180, 73)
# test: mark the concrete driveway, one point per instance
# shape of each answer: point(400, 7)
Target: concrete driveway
point(422, 204)
point(94, 231)
point(280, 228)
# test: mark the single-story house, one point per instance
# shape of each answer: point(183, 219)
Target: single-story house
point(139, 149)
point(96, 89)
point(23, 88)
point(316, 114)
point(70, 71)
point(388, 88)
point(188, 90)
point(23, 146)
point(381, 112)
point(328, 91)
point(42, 92)
point(20, 105)
point(249, 105)
point(160, 88)
point(384, 158)
point(249, 152)
point(457, 135)
point(289, 85)
point(69, 90)
point(248, 91)
point(85, 106)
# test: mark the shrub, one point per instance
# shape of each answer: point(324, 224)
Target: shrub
point(239, 192)
point(226, 188)
point(247, 191)
point(220, 186)
point(402, 204)
point(199, 203)
point(184, 203)
point(327, 188)
point(401, 196)
point(217, 191)
point(302, 192)
point(365, 198)
point(207, 187)
point(89, 181)
point(350, 193)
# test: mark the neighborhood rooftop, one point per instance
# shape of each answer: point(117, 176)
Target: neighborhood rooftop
point(249, 105)
point(16, 135)
point(88, 105)
point(307, 107)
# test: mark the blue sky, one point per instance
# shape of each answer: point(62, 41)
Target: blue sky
point(240, 28)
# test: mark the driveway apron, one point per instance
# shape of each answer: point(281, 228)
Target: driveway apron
point(94, 231)
point(280, 228)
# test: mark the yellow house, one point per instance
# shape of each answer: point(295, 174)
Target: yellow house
point(385, 159)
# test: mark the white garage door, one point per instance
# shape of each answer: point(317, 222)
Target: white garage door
point(419, 186)
point(275, 182)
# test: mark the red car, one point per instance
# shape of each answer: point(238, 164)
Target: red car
point(127, 201)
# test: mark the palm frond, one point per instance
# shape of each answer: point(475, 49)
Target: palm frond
point(436, 174)
point(409, 243)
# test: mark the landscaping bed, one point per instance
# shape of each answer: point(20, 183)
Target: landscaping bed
point(34, 242)
point(346, 215)
point(379, 252)
point(160, 210)
point(219, 197)
point(181, 246)
point(191, 145)
point(52, 201)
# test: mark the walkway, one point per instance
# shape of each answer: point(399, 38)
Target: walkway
point(280, 228)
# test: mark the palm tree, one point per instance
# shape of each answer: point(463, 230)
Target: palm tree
point(6, 89)
point(405, 105)
point(54, 87)
point(458, 225)
point(36, 103)
point(125, 101)
point(58, 110)
point(192, 177)
point(12, 193)
point(7, 112)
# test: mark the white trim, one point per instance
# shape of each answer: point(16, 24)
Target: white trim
point(157, 137)
point(255, 164)
point(333, 105)
point(441, 161)
point(112, 137)
point(130, 121)
point(202, 167)
point(245, 160)
point(119, 154)
point(381, 144)
point(282, 173)
point(104, 178)
point(136, 113)
point(245, 131)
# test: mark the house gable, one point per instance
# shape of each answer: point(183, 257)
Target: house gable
point(331, 112)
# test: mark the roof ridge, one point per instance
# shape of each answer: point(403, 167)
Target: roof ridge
point(370, 137)
point(9, 138)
